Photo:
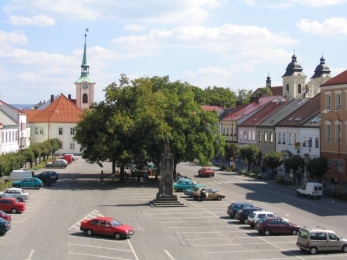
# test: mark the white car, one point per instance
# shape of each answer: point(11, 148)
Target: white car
point(62, 160)
point(256, 215)
point(16, 193)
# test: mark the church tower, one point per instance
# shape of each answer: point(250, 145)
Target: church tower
point(320, 76)
point(84, 85)
point(294, 80)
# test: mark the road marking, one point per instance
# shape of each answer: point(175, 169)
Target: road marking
point(91, 215)
point(31, 254)
point(169, 255)
point(100, 256)
point(102, 247)
point(132, 249)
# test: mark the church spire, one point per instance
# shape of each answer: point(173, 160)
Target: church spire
point(85, 66)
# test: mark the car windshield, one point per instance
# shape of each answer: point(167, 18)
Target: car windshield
point(115, 223)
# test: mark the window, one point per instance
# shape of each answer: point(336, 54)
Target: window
point(284, 138)
point(72, 131)
point(290, 139)
point(60, 131)
point(310, 142)
point(244, 135)
point(338, 101)
point(265, 137)
point(41, 130)
point(260, 136)
point(36, 130)
point(299, 88)
point(85, 98)
point(316, 140)
point(16, 135)
point(249, 135)
point(337, 131)
point(240, 135)
point(72, 146)
point(294, 138)
point(227, 131)
point(328, 101)
point(271, 137)
point(287, 89)
point(304, 142)
point(279, 138)
point(327, 133)
point(253, 135)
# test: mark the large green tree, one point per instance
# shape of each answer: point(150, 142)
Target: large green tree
point(273, 159)
point(250, 152)
point(318, 167)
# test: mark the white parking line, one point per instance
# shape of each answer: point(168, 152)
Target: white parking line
point(100, 247)
point(169, 255)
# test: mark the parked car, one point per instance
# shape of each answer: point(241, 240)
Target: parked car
point(318, 239)
point(234, 207)
point(12, 205)
point(242, 214)
point(189, 192)
point(5, 216)
point(211, 194)
point(17, 175)
point(32, 182)
point(48, 177)
point(106, 226)
point(275, 225)
point(56, 163)
point(184, 184)
point(60, 158)
point(16, 193)
point(177, 178)
point(66, 157)
point(256, 215)
point(311, 190)
point(206, 171)
point(4, 226)
point(74, 158)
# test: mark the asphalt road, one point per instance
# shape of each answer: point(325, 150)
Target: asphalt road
point(49, 228)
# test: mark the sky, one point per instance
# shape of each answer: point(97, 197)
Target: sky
point(232, 44)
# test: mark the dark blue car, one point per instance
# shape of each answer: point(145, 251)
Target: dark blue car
point(4, 226)
point(242, 214)
point(234, 207)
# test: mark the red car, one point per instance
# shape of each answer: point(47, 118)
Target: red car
point(106, 226)
point(206, 171)
point(5, 216)
point(276, 225)
point(12, 205)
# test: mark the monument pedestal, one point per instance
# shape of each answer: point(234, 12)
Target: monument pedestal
point(166, 201)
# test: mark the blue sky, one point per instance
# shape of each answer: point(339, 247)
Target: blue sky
point(225, 43)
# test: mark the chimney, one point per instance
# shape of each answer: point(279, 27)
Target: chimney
point(252, 99)
point(256, 99)
point(52, 99)
point(69, 96)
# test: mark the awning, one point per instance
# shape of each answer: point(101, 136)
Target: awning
point(286, 153)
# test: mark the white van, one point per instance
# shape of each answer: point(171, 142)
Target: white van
point(311, 190)
point(17, 175)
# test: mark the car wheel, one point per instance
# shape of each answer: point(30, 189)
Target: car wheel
point(37, 187)
point(245, 221)
point(14, 211)
point(344, 249)
point(63, 166)
point(180, 189)
point(212, 175)
point(89, 232)
point(16, 186)
point(219, 198)
point(267, 232)
point(309, 196)
point(318, 197)
point(117, 236)
point(251, 225)
point(20, 199)
point(298, 193)
point(294, 232)
point(49, 166)
point(313, 250)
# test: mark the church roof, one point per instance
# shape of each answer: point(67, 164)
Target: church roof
point(293, 68)
point(61, 110)
point(321, 70)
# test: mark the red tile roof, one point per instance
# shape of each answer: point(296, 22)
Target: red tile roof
point(337, 80)
point(277, 91)
point(62, 110)
point(249, 108)
point(302, 114)
point(266, 111)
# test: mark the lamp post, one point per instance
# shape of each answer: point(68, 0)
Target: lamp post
point(338, 163)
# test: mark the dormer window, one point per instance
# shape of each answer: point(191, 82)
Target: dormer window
point(299, 88)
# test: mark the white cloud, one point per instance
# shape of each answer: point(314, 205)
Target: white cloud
point(328, 27)
point(283, 4)
point(13, 38)
point(135, 27)
point(209, 76)
point(263, 55)
point(40, 20)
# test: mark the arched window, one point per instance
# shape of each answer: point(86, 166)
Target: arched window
point(85, 98)
point(299, 88)
point(287, 88)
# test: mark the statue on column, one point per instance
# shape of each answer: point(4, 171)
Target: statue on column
point(166, 171)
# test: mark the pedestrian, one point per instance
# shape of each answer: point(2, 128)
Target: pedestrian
point(102, 176)
point(202, 194)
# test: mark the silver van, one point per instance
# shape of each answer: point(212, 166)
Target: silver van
point(317, 239)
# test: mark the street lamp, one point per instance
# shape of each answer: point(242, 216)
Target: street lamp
point(338, 164)
point(49, 119)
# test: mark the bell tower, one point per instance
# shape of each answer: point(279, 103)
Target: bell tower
point(84, 85)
